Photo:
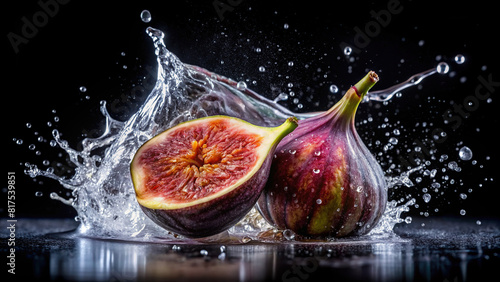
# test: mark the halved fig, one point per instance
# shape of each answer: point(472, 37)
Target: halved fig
point(201, 177)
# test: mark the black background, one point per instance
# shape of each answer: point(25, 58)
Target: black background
point(82, 45)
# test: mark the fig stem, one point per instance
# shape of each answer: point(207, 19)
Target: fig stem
point(348, 105)
point(367, 82)
point(288, 126)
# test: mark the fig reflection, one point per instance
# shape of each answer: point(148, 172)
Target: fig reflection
point(97, 260)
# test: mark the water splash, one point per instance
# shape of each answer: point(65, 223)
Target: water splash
point(388, 93)
point(101, 188)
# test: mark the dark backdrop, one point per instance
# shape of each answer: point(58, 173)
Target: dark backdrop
point(69, 44)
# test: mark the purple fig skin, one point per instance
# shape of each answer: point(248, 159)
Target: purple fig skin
point(324, 182)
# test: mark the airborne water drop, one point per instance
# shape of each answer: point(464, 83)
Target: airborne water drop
point(334, 89)
point(146, 16)
point(459, 59)
point(442, 68)
point(465, 153)
point(427, 197)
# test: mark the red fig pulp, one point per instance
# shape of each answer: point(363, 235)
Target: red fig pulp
point(323, 180)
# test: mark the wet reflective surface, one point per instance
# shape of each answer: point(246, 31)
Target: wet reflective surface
point(448, 249)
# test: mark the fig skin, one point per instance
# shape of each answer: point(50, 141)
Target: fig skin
point(218, 212)
point(324, 182)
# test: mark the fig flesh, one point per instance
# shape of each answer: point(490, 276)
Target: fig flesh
point(324, 182)
point(201, 177)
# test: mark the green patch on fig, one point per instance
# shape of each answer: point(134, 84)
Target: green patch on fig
point(201, 177)
point(324, 182)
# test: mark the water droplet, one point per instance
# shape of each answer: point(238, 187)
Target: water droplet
point(146, 16)
point(204, 252)
point(288, 234)
point(83, 89)
point(359, 188)
point(38, 194)
point(408, 219)
point(318, 201)
point(465, 153)
point(286, 26)
point(290, 64)
point(478, 222)
point(53, 143)
point(28, 125)
point(316, 170)
point(463, 196)
point(246, 239)
point(393, 140)
point(262, 69)
point(426, 197)
point(435, 185)
point(459, 59)
point(421, 43)
point(19, 141)
point(442, 68)
point(241, 85)
point(258, 50)
point(317, 153)
point(454, 166)
point(334, 89)
point(32, 147)
point(347, 51)
point(462, 212)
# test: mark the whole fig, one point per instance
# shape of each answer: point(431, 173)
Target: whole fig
point(324, 182)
